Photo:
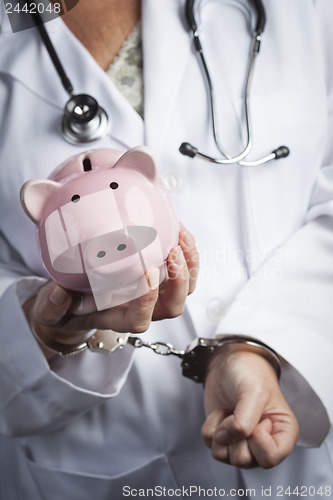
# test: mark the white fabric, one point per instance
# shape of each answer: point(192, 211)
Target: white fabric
point(96, 424)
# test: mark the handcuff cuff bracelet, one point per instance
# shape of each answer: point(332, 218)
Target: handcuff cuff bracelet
point(194, 359)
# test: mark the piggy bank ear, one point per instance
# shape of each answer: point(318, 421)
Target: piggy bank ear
point(141, 159)
point(34, 195)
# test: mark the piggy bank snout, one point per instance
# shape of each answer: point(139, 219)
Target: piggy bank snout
point(114, 251)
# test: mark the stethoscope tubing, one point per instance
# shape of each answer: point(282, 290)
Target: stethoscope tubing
point(189, 150)
point(83, 119)
point(79, 126)
point(211, 95)
point(66, 83)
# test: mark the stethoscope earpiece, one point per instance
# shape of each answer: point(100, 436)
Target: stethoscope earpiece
point(84, 120)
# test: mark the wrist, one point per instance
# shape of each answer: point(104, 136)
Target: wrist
point(46, 335)
point(202, 351)
point(36, 329)
point(242, 352)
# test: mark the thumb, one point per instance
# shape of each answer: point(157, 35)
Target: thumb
point(52, 304)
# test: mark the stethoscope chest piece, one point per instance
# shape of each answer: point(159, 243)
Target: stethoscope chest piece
point(84, 120)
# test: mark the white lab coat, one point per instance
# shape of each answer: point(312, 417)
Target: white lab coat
point(90, 425)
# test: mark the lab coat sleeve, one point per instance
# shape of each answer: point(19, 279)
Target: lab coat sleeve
point(288, 305)
point(288, 302)
point(36, 397)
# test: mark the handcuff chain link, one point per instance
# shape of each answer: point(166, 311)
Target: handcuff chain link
point(161, 348)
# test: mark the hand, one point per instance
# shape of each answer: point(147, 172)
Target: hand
point(248, 422)
point(50, 312)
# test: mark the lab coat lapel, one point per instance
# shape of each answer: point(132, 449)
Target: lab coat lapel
point(166, 46)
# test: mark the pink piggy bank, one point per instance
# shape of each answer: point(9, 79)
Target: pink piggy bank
point(103, 220)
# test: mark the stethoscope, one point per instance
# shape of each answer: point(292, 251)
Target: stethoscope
point(85, 121)
point(189, 150)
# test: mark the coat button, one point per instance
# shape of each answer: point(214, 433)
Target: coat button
point(215, 310)
point(173, 181)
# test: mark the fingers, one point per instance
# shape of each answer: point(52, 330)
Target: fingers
point(243, 421)
point(191, 254)
point(140, 311)
point(231, 443)
point(227, 434)
point(237, 454)
point(173, 296)
point(212, 422)
point(183, 267)
point(273, 440)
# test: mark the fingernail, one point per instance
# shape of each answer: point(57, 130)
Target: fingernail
point(188, 240)
point(222, 437)
point(177, 256)
point(153, 276)
point(58, 296)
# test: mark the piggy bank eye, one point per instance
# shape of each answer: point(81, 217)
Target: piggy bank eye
point(75, 198)
point(114, 185)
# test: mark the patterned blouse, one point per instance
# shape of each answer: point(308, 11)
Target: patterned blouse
point(126, 70)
